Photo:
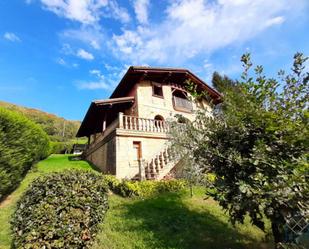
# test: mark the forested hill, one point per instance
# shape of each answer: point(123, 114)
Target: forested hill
point(59, 129)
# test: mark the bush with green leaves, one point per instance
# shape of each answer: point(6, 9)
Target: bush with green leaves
point(61, 147)
point(256, 145)
point(22, 143)
point(61, 210)
point(127, 188)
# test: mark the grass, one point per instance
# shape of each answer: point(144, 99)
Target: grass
point(53, 163)
point(174, 221)
point(166, 221)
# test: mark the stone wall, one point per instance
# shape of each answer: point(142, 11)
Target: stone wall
point(151, 144)
point(148, 106)
point(104, 155)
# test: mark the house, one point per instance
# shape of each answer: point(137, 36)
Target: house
point(128, 133)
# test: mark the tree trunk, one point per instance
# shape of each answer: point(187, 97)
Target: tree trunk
point(191, 190)
point(278, 230)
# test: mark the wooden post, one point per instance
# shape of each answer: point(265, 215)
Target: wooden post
point(104, 123)
point(120, 117)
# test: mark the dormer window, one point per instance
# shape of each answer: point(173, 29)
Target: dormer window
point(157, 90)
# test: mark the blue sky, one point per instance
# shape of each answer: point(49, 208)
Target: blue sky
point(59, 55)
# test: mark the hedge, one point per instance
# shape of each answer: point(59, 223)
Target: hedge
point(22, 142)
point(61, 147)
point(127, 188)
point(61, 210)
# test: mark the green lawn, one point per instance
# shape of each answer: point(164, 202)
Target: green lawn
point(174, 221)
point(166, 221)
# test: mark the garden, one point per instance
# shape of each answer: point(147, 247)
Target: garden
point(169, 219)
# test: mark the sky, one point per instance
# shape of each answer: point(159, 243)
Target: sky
point(59, 55)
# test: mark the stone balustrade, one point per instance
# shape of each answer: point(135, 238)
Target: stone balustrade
point(159, 163)
point(142, 124)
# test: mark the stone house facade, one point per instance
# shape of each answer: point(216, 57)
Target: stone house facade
point(128, 133)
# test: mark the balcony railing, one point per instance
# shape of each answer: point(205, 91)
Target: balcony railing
point(142, 124)
point(126, 122)
point(182, 104)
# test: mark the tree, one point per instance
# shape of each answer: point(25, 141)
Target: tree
point(256, 145)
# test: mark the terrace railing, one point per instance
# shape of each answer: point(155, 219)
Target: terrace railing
point(142, 124)
point(133, 123)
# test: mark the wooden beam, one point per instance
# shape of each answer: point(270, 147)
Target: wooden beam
point(167, 77)
point(143, 76)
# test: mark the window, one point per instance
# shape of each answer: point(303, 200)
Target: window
point(181, 101)
point(159, 117)
point(159, 122)
point(157, 90)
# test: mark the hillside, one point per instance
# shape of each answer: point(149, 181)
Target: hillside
point(58, 129)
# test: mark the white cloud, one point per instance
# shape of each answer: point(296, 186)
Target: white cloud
point(83, 11)
point(93, 85)
point(61, 61)
point(117, 12)
point(207, 65)
point(86, 11)
point(97, 73)
point(141, 10)
point(128, 41)
point(187, 31)
point(85, 55)
point(65, 63)
point(67, 49)
point(92, 36)
point(11, 37)
point(194, 27)
point(99, 83)
point(274, 21)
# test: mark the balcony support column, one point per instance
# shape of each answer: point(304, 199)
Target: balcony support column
point(120, 118)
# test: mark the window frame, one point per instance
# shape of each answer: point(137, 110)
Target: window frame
point(137, 147)
point(153, 85)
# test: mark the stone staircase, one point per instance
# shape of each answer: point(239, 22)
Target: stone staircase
point(159, 166)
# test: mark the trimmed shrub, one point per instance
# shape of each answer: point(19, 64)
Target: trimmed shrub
point(61, 210)
point(128, 188)
point(22, 143)
point(61, 147)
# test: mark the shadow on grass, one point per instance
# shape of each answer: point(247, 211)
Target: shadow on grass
point(174, 225)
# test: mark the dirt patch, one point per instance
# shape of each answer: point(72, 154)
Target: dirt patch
point(6, 201)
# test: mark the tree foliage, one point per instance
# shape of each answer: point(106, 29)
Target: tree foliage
point(256, 145)
point(58, 129)
point(22, 142)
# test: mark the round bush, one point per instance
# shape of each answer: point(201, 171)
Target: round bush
point(22, 142)
point(61, 210)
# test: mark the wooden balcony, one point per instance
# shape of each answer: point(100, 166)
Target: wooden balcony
point(181, 104)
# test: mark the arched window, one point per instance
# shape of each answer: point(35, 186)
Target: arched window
point(159, 117)
point(159, 122)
